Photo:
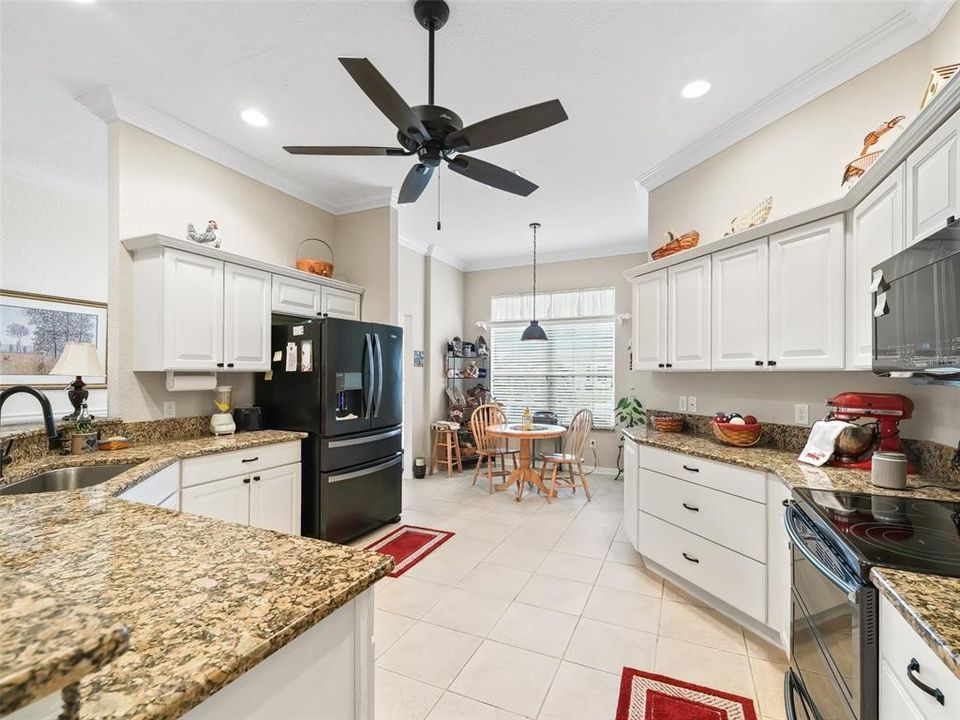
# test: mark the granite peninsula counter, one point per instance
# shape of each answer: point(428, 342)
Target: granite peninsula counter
point(194, 602)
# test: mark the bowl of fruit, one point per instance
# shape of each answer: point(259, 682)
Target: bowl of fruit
point(736, 429)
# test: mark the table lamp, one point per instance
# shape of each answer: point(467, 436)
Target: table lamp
point(78, 359)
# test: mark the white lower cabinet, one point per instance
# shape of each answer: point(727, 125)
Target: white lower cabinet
point(631, 473)
point(226, 499)
point(161, 489)
point(904, 655)
point(275, 499)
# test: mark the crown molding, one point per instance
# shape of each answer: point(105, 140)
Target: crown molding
point(111, 105)
point(442, 254)
point(900, 31)
point(587, 253)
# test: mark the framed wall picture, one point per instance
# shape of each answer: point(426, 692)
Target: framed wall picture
point(34, 330)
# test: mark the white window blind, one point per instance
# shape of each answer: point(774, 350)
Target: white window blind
point(571, 371)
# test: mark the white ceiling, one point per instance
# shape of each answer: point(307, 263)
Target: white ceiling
point(617, 68)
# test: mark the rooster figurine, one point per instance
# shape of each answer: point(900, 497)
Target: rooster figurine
point(210, 236)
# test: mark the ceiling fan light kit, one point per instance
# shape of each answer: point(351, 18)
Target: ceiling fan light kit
point(533, 331)
point(436, 134)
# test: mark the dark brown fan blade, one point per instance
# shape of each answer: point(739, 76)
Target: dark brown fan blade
point(491, 175)
point(343, 150)
point(415, 182)
point(385, 97)
point(509, 126)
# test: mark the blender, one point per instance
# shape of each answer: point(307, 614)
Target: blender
point(221, 422)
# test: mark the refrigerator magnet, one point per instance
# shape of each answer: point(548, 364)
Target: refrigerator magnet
point(297, 330)
point(278, 356)
point(306, 356)
point(291, 357)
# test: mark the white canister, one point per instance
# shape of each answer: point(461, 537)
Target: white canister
point(889, 470)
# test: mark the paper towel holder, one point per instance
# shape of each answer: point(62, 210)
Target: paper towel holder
point(190, 381)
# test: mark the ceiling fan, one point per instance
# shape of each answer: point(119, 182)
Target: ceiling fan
point(435, 133)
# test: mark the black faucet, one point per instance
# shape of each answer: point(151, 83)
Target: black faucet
point(48, 423)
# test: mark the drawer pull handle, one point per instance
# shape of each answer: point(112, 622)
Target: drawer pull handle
point(914, 667)
point(690, 469)
point(691, 559)
point(253, 459)
point(691, 508)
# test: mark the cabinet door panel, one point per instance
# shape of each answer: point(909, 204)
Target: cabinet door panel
point(631, 473)
point(649, 344)
point(806, 296)
point(688, 315)
point(193, 311)
point(340, 303)
point(878, 233)
point(933, 181)
point(275, 499)
point(739, 307)
point(296, 297)
point(227, 499)
point(246, 307)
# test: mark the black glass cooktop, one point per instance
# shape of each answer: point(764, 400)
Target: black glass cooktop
point(900, 532)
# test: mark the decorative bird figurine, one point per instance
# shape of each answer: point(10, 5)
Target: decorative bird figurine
point(210, 236)
point(860, 164)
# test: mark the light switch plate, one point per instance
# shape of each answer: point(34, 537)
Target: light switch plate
point(682, 406)
point(692, 403)
point(169, 408)
point(801, 414)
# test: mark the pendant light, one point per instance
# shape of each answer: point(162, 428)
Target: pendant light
point(533, 330)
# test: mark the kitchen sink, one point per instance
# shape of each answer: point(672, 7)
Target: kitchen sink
point(69, 478)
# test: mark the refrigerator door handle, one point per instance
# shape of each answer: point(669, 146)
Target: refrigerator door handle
point(368, 390)
point(363, 440)
point(379, 351)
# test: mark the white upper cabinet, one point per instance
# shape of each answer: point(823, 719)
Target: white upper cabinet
point(807, 297)
point(933, 181)
point(192, 309)
point(649, 345)
point(246, 312)
point(688, 315)
point(877, 233)
point(339, 303)
point(739, 307)
point(296, 297)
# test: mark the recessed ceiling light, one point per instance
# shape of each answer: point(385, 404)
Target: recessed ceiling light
point(254, 117)
point(695, 89)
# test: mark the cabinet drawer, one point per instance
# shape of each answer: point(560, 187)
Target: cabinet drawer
point(747, 484)
point(729, 576)
point(899, 644)
point(157, 488)
point(242, 462)
point(729, 520)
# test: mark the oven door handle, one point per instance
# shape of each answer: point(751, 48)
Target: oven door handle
point(791, 688)
point(852, 590)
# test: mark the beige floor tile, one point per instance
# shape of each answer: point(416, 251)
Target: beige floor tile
point(610, 647)
point(580, 693)
point(717, 669)
point(430, 654)
point(623, 552)
point(630, 578)
point(507, 677)
point(495, 580)
point(702, 626)
point(400, 698)
point(759, 648)
point(534, 628)
point(457, 707)
point(570, 567)
point(626, 609)
point(675, 594)
point(768, 684)
point(518, 557)
point(387, 627)
point(555, 594)
point(467, 611)
point(409, 596)
point(533, 535)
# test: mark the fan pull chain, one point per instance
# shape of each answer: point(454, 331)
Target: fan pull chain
point(438, 198)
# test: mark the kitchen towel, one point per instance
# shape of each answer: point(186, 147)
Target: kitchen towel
point(822, 441)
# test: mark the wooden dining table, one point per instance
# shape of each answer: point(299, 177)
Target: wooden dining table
point(525, 472)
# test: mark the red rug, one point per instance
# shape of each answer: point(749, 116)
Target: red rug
point(409, 545)
point(645, 696)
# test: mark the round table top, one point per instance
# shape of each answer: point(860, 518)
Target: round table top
point(513, 430)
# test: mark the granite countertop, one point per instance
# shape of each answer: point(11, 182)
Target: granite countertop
point(931, 603)
point(195, 602)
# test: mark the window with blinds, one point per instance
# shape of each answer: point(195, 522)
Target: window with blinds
point(571, 371)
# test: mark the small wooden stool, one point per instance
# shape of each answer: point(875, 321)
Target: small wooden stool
point(446, 450)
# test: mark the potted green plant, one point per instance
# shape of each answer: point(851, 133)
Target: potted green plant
point(629, 412)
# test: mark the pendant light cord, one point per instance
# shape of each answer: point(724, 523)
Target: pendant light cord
point(534, 226)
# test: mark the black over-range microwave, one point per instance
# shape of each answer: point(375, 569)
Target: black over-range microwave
point(916, 316)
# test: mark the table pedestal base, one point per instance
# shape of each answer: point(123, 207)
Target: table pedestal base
point(525, 473)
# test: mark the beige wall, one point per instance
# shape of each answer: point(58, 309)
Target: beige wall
point(799, 159)
point(366, 254)
point(445, 301)
point(411, 310)
point(480, 285)
point(158, 187)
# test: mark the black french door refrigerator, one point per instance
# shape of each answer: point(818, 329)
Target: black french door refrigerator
point(341, 382)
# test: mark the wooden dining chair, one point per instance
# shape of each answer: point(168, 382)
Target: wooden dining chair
point(571, 457)
point(489, 448)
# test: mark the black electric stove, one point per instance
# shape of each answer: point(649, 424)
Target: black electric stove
point(907, 533)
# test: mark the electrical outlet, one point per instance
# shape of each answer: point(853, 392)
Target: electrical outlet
point(593, 443)
point(683, 403)
point(801, 414)
point(692, 403)
point(169, 408)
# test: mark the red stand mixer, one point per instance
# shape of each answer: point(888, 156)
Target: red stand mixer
point(856, 445)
